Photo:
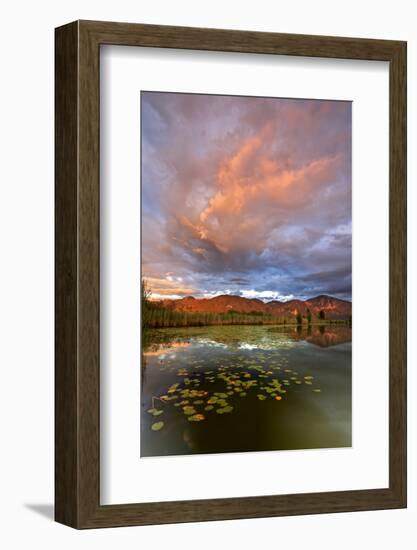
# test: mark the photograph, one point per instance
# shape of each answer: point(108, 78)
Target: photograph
point(246, 274)
point(209, 259)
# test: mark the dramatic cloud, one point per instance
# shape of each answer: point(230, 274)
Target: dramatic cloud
point(247, 196)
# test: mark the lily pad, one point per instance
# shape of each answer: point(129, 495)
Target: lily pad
point(223, 410)
point(196, 418)
point(157, 426)
point(261, 397)
point(155, 412)
point(209, 408)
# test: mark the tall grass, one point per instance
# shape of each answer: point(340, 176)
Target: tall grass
point(160, 317)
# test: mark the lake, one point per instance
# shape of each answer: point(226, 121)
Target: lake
point(222, 389)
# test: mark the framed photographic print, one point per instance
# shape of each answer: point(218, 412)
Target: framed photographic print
point(230, 274)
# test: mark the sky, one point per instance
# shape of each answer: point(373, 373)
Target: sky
point(246, 196)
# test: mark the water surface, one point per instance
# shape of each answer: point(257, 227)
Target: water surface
point(245, 388)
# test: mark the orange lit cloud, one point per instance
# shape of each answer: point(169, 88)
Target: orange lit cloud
point(252, 189)
point(165, 288)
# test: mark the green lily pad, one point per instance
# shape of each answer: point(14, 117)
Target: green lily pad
point(157, 426)
point(155, 412)
point(209, 408)
point(316, 390)
point(196, 418)
point(224, 410)
point(261, 397)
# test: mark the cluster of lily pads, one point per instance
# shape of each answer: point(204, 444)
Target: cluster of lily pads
point(191, 394)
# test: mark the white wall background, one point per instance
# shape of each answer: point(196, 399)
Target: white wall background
point(26, 272)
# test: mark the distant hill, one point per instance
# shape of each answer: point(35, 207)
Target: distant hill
point(334, 308)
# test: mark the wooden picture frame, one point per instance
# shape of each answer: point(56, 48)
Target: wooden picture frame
point(77, 374)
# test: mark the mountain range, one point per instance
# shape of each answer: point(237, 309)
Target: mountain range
point(333, 308)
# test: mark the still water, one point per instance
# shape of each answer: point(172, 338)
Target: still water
point(225, 389)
